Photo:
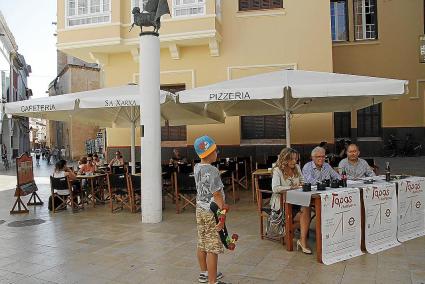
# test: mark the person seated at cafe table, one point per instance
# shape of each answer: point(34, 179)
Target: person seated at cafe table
point(317, 170)
point(62, 170)
point(117, 160)
point(98, 162)
point(287, 176)
point(177, 158)
point(88, 167)
point(354, 166)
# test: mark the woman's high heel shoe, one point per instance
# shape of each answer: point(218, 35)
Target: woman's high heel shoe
point(303, 249)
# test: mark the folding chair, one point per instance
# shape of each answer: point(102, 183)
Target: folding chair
point(134, 186)
point(118, 170)
point(264, 194)
point(185, 187)
point(68, 199)
point(372, 164)
point(228, 177)
point(118, 191)
point(168, 181)
point(242, 171)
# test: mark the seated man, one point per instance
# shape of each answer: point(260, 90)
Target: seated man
point(354, 166)
point(317, 170)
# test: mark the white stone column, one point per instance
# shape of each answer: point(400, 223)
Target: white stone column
point(149, 82)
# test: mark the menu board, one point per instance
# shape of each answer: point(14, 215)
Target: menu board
point(411, 208)
point(25, 175)
point(341, 225)
point(380, 205)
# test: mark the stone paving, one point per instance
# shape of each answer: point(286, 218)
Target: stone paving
point(95, 246)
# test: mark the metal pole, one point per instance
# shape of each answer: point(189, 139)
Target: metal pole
point(287, 117)
point(149, 82)
point(133, 147)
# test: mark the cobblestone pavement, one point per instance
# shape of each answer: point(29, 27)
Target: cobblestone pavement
point(95, 246)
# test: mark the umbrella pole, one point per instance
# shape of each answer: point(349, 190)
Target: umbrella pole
point(133, 147)
point(287, 117)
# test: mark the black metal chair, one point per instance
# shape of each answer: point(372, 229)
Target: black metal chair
point(118, 191)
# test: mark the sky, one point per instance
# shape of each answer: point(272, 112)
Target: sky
point(30, 22)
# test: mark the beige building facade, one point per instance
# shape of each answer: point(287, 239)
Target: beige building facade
point(207, 41)
point(74, 75)
point(389, 49)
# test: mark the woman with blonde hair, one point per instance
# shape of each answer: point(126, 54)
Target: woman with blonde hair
point(287, 176)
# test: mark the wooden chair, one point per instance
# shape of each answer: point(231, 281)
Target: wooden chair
point(242, 171)
point(63, 183)
point(372, 164)
point(168, 181)
point(118, 170)
point(134, 186)
point(118, 191)
point(264, 194)
point(228, 177)
point(185, 188)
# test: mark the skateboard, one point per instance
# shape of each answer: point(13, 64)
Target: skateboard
point(220, 216)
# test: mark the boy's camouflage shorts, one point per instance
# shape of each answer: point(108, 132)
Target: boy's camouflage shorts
point(208, 238)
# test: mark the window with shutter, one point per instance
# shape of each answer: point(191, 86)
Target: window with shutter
point(263, 127)
point(342, 124)
point(246, 5)
point(369, 121)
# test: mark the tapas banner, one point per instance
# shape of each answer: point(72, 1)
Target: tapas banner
point(341, 225)
point(380, 204)
point(411, 208)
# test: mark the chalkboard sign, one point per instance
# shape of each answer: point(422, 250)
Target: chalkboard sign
point(25, 185)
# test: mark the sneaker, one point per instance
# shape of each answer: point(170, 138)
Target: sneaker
point(203, 277)
point(221, 282)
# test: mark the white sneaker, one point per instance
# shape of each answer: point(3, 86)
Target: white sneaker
point(203, 277)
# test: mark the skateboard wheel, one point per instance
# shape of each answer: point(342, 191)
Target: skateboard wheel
point(235, 237)
point(231, 246)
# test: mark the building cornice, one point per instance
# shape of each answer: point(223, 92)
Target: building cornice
point(89, 43)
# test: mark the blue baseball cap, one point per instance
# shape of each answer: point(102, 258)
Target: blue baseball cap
point(204, 146)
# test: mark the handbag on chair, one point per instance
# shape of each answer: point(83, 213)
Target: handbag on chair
point(275, 226)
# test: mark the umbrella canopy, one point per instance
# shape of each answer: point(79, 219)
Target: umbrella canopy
point(109, 107)
point(308, 92)
point(293, 91)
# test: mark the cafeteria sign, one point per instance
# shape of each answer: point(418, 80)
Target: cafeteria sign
point(411, 209)
point(341, 225)
point(422, 49)
point(380, 203)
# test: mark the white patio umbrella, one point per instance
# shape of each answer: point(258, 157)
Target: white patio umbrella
point(110, 107)
point(293, 91)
